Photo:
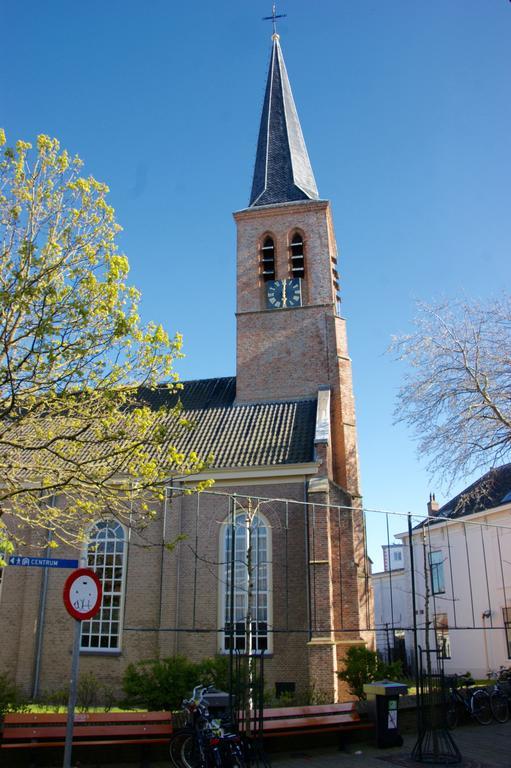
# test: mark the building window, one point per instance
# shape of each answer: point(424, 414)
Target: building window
point(398, 555)
point(297, 256)
point(507, 628)
point(436, 565)
point(268, 259)
point(443, 642)
point(106, 555)
point(252, 613)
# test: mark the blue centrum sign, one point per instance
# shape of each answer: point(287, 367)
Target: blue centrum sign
point(42, 562)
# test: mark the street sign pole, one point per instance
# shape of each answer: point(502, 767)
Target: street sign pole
point(82, 599)
point(73, 689)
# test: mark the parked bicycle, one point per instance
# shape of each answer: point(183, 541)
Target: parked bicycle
point(462, 697)
point(205, 741)
point(500, 694)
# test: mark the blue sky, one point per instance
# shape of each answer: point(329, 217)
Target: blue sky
point(406, 110)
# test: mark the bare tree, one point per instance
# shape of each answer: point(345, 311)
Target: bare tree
point(456, 394)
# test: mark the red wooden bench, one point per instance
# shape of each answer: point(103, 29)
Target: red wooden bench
point(35, 731)
point(317, 718)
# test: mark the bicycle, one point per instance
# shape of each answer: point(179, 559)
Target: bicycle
point(205, 742)
point(500, 694)
point(475, 702)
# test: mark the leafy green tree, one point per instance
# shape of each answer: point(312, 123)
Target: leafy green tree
point(78, 439)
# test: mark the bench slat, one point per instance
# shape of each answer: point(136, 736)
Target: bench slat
point(322, 729)
point(310, 710)
point(90, 717)
point(310, 722)
point(111, 742)
point(94, 731)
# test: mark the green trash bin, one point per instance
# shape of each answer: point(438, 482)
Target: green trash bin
point(383, 697)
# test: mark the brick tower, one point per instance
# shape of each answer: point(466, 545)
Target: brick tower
point(292, 344)
point(291, 338)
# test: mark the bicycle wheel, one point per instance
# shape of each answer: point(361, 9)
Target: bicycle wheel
point(451, 714)
point(185, 750)
point(236, 757)
point(480, 707)
point(177, 740)
point(499, 708)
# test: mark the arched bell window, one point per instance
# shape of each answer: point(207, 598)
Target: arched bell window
point(297, 255)
point(336, 286)
point(268, 259)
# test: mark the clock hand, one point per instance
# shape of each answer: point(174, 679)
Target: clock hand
point(284, 297)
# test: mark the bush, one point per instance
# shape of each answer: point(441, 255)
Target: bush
point(87, 692)
point(55, 700)
point(364, 666)
point(11, 698)
point(163, 684)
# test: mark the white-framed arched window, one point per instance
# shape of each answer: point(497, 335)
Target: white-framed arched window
point(250, 597)
point(106, 555)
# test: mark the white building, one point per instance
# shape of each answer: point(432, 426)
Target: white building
point(464, 548)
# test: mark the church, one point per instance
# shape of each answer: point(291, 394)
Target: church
point(272, 558)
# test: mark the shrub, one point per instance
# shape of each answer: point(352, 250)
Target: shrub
point(55, 699)
point(364, 666)
point(11, 698)
point(214, 671)
point(163, 684)
point(87, 692)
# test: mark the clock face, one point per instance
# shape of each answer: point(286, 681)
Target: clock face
point(294, 292)
point(275, 294)
point(281, 294)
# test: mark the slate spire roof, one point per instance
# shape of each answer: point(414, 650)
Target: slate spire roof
point(282, 172)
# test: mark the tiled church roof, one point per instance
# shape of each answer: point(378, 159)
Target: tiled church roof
point(282, 172)
point(245, 435)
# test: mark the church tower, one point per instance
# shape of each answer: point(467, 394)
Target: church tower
point(291, 338)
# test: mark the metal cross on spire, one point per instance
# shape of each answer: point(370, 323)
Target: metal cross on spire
point(274, 16)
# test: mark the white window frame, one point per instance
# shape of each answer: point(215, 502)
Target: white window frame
point(437, 571)
point(102, 623)
point(224, 582)
point(442, 637)
point(506, 617)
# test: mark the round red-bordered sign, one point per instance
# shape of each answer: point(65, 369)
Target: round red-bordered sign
point(82, 594)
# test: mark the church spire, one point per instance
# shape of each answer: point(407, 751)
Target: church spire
point(282, 172)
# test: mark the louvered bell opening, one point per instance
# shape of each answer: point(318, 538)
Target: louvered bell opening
point(268, 259)
point(297, 256)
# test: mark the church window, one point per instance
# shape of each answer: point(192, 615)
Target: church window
point(250, 597)
point(297, 256)
point(106, 555)
point(268, 259)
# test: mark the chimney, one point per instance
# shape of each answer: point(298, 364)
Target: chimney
point(433, 505)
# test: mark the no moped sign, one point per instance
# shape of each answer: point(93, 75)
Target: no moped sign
point(82, 594)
